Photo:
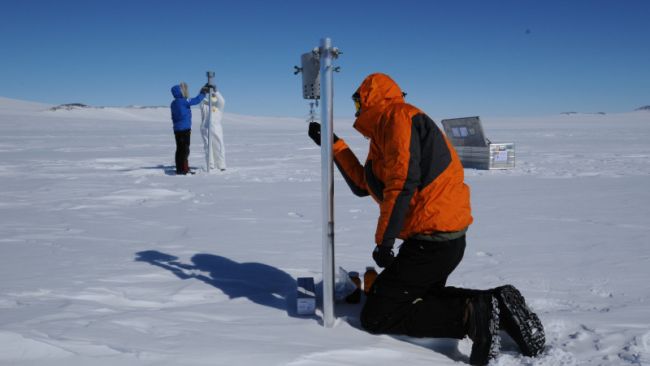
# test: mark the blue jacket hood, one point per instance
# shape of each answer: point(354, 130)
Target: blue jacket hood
point(176, 91)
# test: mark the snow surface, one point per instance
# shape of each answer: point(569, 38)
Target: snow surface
point(107, 258)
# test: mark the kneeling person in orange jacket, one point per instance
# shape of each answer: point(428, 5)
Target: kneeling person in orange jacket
point(413, 172)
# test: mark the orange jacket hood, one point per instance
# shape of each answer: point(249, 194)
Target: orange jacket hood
point(377, 91)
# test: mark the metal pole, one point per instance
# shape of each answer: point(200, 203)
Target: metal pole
point(327, 183)
point(209, 152)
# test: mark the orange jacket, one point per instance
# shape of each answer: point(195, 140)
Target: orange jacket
point(412, 170)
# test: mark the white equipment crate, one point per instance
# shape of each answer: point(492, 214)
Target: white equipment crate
point(474, 149)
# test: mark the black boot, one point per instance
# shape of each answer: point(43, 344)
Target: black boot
point(519, 321)
point(483, 328)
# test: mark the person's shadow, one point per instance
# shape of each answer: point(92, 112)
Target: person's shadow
point(258, 282)
point(270, 286)
point(167, 169)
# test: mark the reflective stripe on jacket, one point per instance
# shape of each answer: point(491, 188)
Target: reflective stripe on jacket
point(412, 170)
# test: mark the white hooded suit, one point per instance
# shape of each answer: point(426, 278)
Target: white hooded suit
point(216, 158)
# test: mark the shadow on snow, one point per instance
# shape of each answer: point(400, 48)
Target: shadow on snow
point(258, 282)
point(269, 286)
point(167, 169)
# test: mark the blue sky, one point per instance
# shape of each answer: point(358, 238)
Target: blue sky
point(454, 58)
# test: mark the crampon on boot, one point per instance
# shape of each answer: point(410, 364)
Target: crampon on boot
point(521, 323)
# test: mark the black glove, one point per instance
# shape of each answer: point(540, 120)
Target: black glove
point(314, 133)
point(383, 255)
point(205, 90)
point(210, 86)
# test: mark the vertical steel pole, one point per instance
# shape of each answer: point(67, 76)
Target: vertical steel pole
point(327, 183)
point(209, 152)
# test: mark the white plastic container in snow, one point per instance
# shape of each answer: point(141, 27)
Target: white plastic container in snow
point(306, 296)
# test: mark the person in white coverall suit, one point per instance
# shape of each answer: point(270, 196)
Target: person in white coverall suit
point(215, 151)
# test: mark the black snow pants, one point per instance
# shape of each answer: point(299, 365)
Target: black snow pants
point(410, 297)
point(182, 151)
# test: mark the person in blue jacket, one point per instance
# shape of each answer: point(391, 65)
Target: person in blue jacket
point(182, 119)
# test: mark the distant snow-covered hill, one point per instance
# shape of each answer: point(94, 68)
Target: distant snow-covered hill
point(12, 106)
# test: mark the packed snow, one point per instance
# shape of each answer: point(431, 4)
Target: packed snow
point(108, 258)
